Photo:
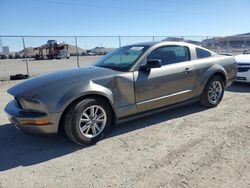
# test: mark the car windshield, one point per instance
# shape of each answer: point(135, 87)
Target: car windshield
point(123, 58)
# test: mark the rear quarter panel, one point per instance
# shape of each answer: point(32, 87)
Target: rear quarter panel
point(206, 67)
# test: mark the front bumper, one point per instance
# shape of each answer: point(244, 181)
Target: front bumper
point(17, 116)
point(243, 76)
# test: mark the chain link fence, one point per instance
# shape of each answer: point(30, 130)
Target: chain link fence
point(35, 55)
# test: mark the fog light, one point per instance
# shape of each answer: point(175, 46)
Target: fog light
point(35, 122)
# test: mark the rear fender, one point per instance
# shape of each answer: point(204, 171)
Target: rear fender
point(214, 69)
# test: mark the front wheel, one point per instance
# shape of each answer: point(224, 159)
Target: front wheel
point(87, 121)
point(213, 92)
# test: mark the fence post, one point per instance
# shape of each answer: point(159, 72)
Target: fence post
point(245, 44)
point(227, 45)
point(207, 41)
point(77, 58)
point(153, 38)
point(26, 60)
point(120, 43)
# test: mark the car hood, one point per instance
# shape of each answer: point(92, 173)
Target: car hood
point(243, 58)
point(59, 79)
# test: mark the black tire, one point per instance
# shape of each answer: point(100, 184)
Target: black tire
point(72, 119)
point(204, 100)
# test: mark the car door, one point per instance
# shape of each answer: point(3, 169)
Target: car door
point(171, 83)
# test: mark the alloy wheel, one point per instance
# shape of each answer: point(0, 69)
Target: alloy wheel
point(215, 92)
point(92, 121)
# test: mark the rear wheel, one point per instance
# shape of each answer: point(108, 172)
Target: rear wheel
point(87, 121)
point(213, 92)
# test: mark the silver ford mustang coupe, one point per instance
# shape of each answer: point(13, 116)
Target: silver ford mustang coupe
point(129, 82)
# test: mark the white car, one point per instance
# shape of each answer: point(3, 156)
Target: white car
point(243, 63)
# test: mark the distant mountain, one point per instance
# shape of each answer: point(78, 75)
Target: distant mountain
point(72, 49)
point(242, 34)
point(30, 51)
point(181, 39)
point(101, 50)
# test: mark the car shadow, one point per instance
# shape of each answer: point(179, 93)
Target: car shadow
point(153, 119)
point(239, 87)
point(18, 149)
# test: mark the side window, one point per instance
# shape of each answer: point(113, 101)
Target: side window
point(170, 54)
point(202, 53)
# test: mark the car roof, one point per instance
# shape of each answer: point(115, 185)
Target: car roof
point(162, 43)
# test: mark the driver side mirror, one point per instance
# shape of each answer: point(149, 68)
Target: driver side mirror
point(151, 63)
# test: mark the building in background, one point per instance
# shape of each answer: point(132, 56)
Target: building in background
point(234, 41)
point(6, 50)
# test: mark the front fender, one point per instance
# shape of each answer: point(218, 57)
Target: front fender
point(77, 92)
point(118, 90)
point(57, 99)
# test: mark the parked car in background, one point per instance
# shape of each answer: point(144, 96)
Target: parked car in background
point(3, 56)
point(127, 83)
point(243, 63)
point(89, 53)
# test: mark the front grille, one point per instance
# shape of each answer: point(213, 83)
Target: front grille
point(243, 69)
point(240, 78)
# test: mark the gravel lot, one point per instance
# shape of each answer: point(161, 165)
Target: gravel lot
point(189, 146)
point(18, 66)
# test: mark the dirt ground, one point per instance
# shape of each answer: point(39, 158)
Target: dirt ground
point(36, 67)
point(189, 146)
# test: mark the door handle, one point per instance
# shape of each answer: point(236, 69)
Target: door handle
point(187, 70)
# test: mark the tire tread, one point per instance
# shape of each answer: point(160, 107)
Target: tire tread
point(204, 100)
point(69, 120)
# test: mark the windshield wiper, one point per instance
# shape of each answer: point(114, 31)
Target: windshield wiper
point(111, 67)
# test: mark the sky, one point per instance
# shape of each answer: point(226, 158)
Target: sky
point(124, 17)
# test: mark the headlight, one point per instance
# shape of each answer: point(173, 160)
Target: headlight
point(243, 64)
point(243, 67)
point(29, 104)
